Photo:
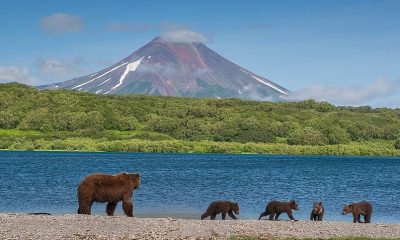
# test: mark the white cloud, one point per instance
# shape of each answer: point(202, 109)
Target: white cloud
point(16, 74)
point(373, 93)
point(165, 70)
point(59, 23)
point(118, 26)
point(61, 67)
point(184, 36)
point(52, 66)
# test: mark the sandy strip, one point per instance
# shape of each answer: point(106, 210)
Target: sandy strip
point(19, 226)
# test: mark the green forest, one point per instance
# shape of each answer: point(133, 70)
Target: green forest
point(31, 119)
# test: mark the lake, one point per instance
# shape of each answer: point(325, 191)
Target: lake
point(182, 185)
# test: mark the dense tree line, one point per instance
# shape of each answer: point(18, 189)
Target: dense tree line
point(64, 113)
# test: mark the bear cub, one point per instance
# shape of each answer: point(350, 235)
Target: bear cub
point(317, 213)
point(223, 207)
point(275, 208)
point(358, 209)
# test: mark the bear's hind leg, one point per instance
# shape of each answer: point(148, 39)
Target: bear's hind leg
point(110, 209)
point(263, 214)
point(85, 208)
point(367, 219)
point(205, 215)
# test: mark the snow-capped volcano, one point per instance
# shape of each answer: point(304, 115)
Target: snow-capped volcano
point(164, 67)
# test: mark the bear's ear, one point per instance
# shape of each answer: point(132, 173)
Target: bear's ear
point(320, 203)
point(134, 176)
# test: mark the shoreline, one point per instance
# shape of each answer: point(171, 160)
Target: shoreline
point(194, 217)
point(72, 226)
point(195, 153)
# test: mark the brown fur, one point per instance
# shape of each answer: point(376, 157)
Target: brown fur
point(317, 213)
point(99, 187)
point(358, 209)
point(223, 207)
point(275, 208)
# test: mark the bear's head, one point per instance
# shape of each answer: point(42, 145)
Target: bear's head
point(235, 208)
point(347, 209)
point(293, 205)
point(135, 179)
point(317, 207)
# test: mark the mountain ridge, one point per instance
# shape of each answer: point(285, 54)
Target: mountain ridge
point(168, 68)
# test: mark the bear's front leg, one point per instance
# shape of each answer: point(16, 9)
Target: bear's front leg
point(355, 218)
point(271, 215)
point(128, 207)
point(230, 213)
point(290, 215)
point(223, 215)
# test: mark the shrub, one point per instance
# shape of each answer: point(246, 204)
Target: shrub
point(397, 143)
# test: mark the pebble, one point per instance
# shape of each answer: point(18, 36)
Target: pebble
point(21, 226)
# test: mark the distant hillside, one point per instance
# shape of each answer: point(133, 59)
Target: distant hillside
point(28, 113)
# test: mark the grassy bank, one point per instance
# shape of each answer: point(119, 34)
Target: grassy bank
point(135, 142)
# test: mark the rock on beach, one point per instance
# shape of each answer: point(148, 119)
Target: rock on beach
point(23, 226)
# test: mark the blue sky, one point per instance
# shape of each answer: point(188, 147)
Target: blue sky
point(345, 52)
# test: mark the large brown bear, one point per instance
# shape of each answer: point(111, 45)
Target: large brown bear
point(99, 187)
point(223, 207)
point(358, 209)
point(275, 208)
point(317, 213)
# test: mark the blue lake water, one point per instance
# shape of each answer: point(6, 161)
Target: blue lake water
point(182, 185)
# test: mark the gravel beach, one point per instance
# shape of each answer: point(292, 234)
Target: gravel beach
point(22, 226)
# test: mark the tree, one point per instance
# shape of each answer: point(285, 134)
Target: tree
point(306, 136)
point(225, 130)
point(94, 120)
point(40, 119)
point(163, 124)
point(69, 121)
point(127, 123)
point(255, 130)
point(9, 120)
point(397, 143)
